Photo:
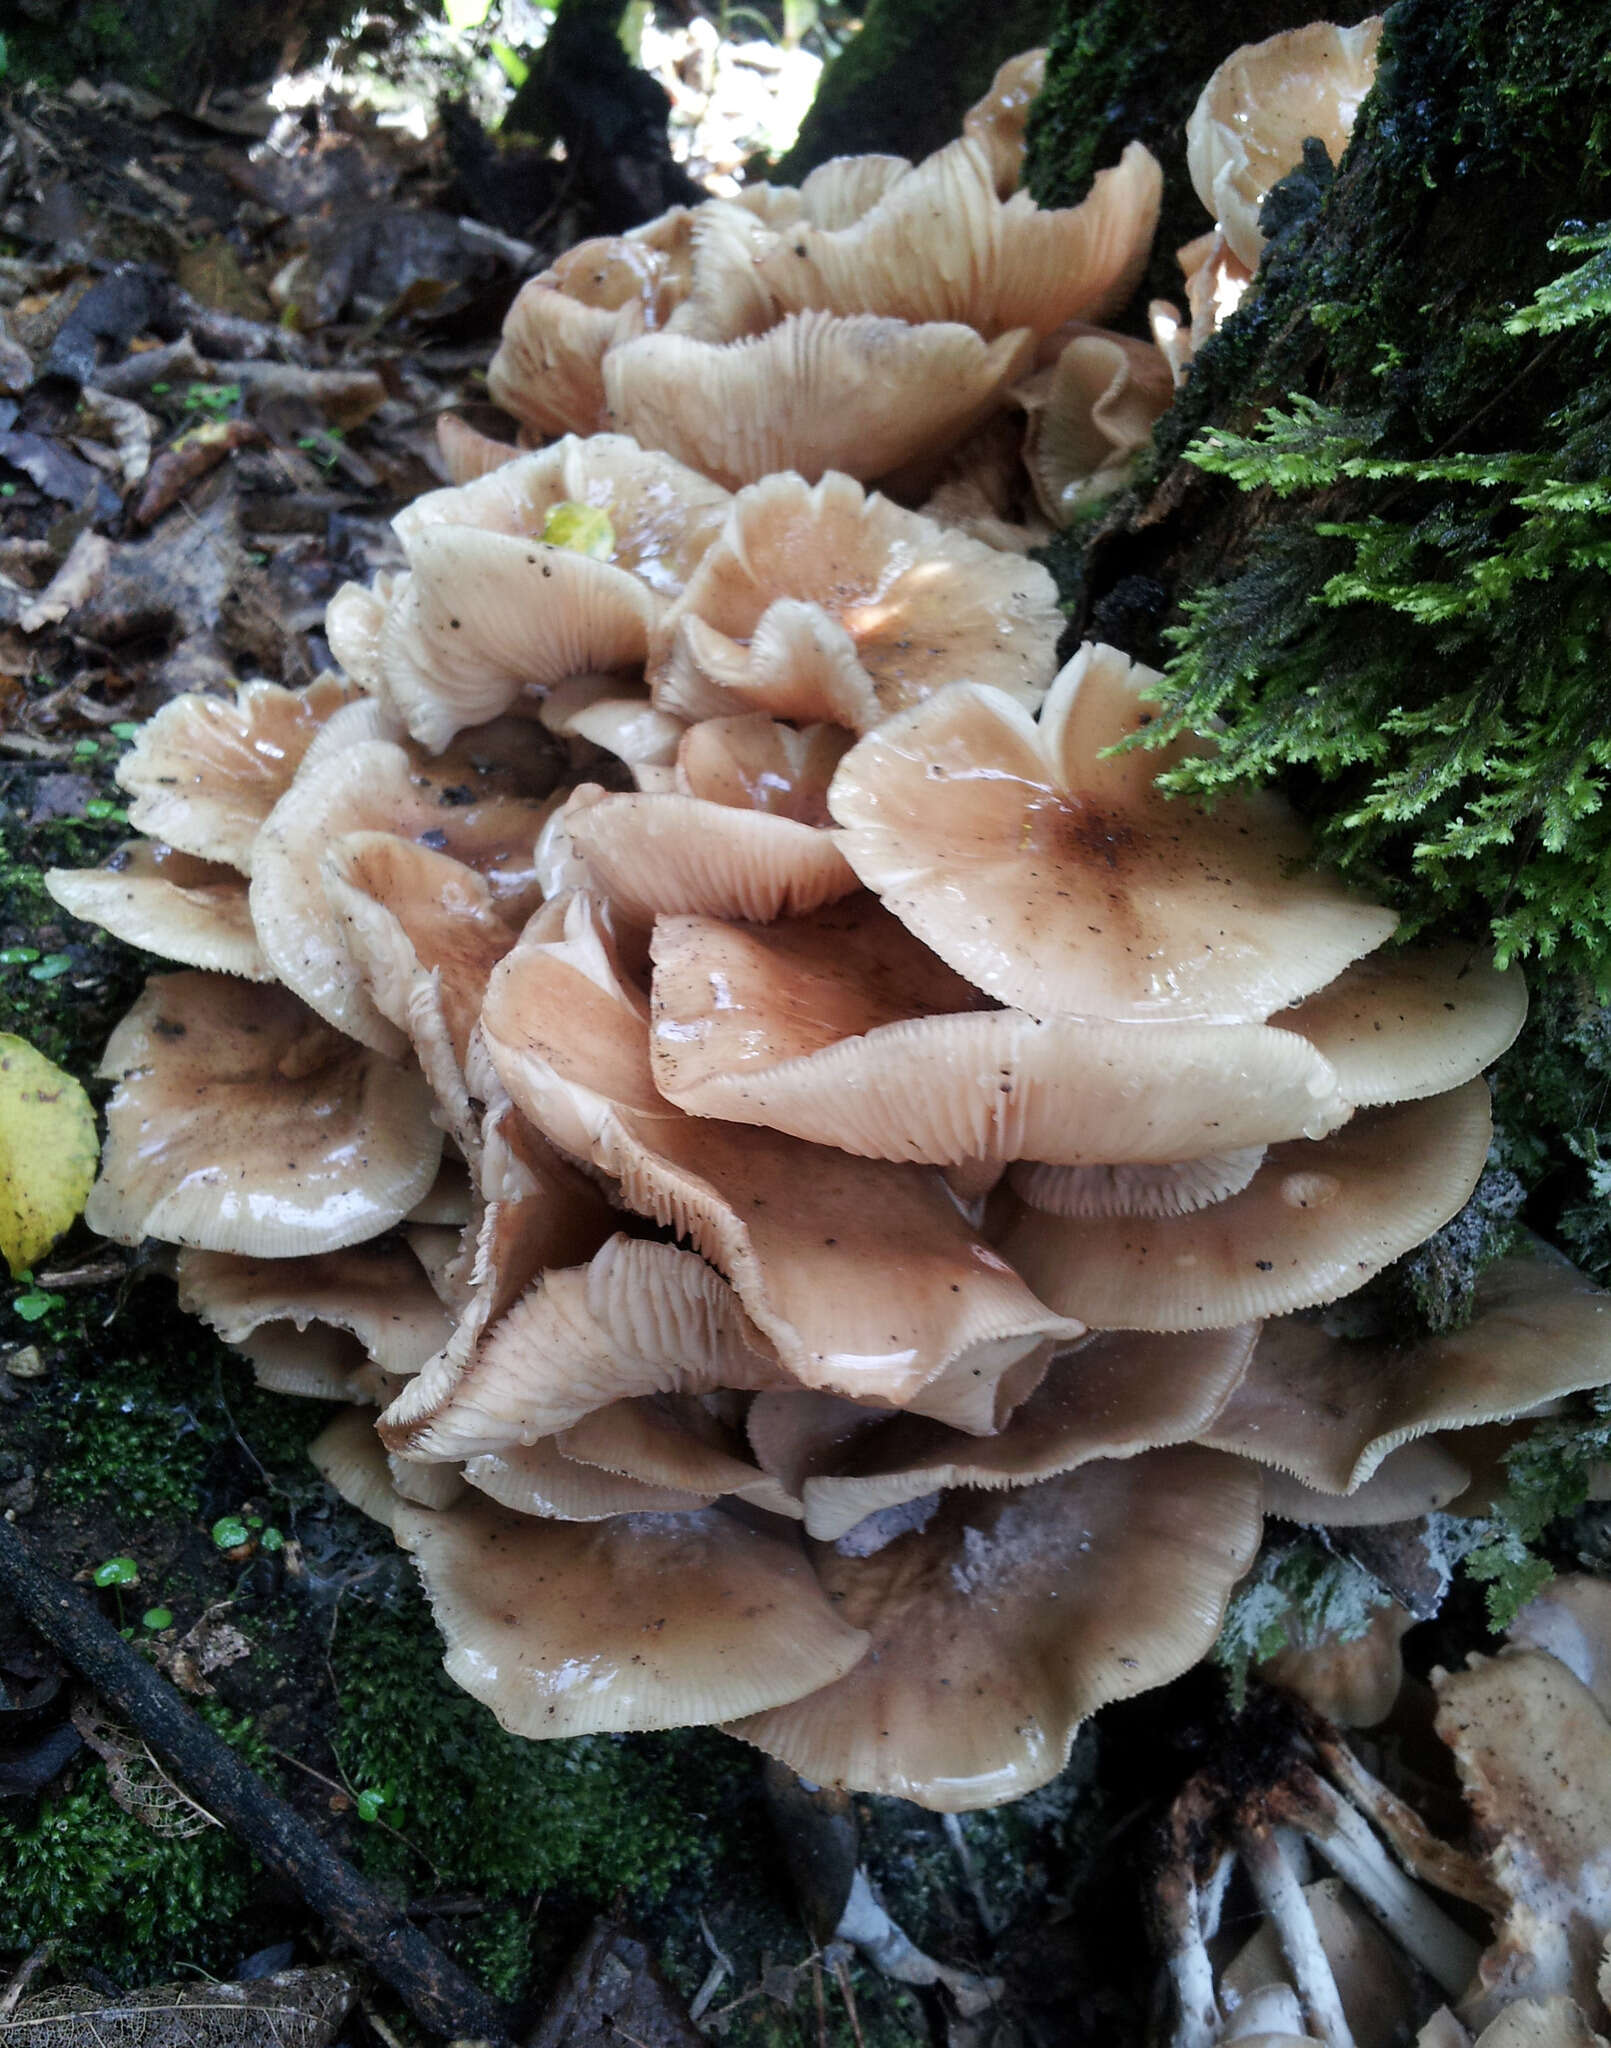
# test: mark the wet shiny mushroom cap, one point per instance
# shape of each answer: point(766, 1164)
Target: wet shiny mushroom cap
point(1057, 879)
point(242, 1123)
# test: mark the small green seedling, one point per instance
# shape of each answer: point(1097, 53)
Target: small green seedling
point(230, 1532)
point(155, 1618)
point(117, 1571)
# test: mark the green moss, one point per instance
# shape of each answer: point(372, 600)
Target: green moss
point(107, 1891)
point(1297, 1593)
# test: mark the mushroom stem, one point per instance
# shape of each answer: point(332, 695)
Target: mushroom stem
point(1179, 1908)
point(1433, 1861)
point(1341, 1834)
point(989, 1919)
point(1281, 1896)
point(865, 1922)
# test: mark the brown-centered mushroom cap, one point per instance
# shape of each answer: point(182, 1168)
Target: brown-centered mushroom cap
point(1401, 1024)
point(1330, 1409)
point(1417, 1479)
point(241, 1123)
point(184, 909)
point(762, 1025)
point(1315, 1222)
point(465, 804)
point(642, 1621)
point(377, 1292)
point(997, 122)
point(1000, 1626)
point(485, 616)
point(1250, 123)
point(667, 854)
point(1118, 1394)
point(662, 515)
point(864, 1275)
point(206, 771)
point(921, 605)
point(640, 1318)
point(1061, 882)
point(812, 394)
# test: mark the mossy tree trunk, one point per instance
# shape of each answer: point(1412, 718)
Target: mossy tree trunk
point(1428, 681)
point(903, 83)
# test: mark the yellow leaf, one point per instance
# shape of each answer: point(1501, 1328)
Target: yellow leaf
point(584, 529)
point(47, 1151)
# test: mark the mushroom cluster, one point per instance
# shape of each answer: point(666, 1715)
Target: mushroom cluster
point(926, 327)
point(828, 1179)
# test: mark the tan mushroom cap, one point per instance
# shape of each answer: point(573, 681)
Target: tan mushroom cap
point(799, 663)
point(663, 516)
point(465, 804)
point(675, 1442)
point(998, 1628)
point(668, 854)
point(539, 1479)
point(1329, 1409)
point(424, 934)
point(1354, 1684)
point(320, 1363)
point(1118, 1395)
point(241, 1123)
point(1533, 1749)
point(485, 616)
point(352, 625)
point(616, 716)
point(863, 1275)
point(377, 1292)
point(1315, 1222)
point(941, 246)
point(1094, 413)
point(1175, 1189)
point(349, 1457)
point(834, 195)
point(184, 909)
point(1402, 1024)
point(727, 298)
point(921, 605)
point(812, 394)
point(467, 453)
point(206, 771)
point(536, 1212)
point(1538, 2023)
point(789, 1025)
point(997, 122)
point(1250, 123)
point(640, 1318)
point(756, 763)
point(642, 1621)
point(1417, 1479)
point(1062, 883)
point(548, 367)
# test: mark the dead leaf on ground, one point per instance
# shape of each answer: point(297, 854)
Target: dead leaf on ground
point(48, 1151)
point(293, 2009)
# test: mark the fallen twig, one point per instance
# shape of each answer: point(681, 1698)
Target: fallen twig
point(435, 1990)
